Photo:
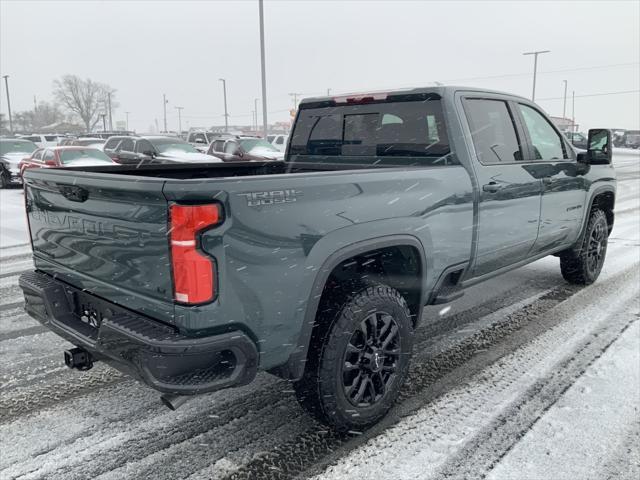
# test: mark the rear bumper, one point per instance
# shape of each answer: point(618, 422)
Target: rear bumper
point(151, 351)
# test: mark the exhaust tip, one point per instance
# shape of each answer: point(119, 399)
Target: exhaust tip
point(173, 402)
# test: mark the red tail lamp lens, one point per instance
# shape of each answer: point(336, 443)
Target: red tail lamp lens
point(193, 272)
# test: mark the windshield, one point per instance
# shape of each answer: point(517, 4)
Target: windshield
point(257, 145)
point(74, 156)
point(167, 145)
point(17, 147)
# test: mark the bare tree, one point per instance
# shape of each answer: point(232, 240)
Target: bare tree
point(85, 98)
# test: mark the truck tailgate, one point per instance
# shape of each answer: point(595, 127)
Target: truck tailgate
point(104, 233)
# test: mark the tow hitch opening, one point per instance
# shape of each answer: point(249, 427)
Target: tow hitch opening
point(78, 358)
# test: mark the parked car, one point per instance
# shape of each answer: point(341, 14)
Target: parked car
point(201, 139)
point(244, 149)
point(153, 149)
point(43, 140)
point(12, 151)
point(92, 142)
point(631, 139)
point(618, 135)
point(279, 141)
point(67, 156)
point(577, 139)
point(316, 269)
point(106, 134)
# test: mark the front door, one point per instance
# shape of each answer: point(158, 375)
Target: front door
point(509, 195)
point(564, 191)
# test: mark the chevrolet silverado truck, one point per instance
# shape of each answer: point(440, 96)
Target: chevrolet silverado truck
point(192, 278)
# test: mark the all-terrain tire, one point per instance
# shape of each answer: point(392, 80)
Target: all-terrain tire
point(352, 343)
point(582, 264)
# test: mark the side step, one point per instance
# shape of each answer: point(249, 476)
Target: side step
point(449, 289)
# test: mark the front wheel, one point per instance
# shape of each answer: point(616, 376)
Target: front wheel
point(359, 358)
point(583, 265)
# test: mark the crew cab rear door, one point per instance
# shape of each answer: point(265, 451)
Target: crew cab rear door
point(104, 233)
point(508, 193)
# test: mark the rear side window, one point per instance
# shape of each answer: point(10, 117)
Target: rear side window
point(51, 138)
point(218, 146)
point(402, 132)
point(546, 142)
point(38, 155)
point(492, 131)
point(48, 156)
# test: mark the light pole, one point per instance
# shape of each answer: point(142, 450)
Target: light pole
point(6, 84)
point(104, 121)
point(226, 114)
point(328, 92)
point(295, 99)
point(255, 109)
point(264, 73)
point(110, 115)
point(573, 110)
point(564, 105)
point(179, 119)
point(127, 117)
point(535, 69)
point(164, 106)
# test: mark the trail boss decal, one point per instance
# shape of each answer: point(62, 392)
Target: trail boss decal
point(275, 197)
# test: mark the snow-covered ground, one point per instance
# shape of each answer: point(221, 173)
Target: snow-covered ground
point(525, 377)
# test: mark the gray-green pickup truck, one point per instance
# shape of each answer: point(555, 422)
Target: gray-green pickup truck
point(194, 277)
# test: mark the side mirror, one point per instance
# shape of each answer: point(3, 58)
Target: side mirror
point(599, 147)
point(148, 153)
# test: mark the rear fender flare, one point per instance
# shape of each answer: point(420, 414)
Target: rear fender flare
point(294, 367)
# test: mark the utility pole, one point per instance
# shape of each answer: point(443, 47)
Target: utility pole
point(564, 105)
point(295, 99)
point(328, 92)
point(535, 69)
point(573, 111)
point(104, 121)
point(179, 119)
point(127, 117)
point(6, 84)
point(164, 106)
point(110, 116)
point(264, 73)
point(226, 114)
point(35, 104)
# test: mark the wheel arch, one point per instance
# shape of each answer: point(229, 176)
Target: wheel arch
point(294, 368)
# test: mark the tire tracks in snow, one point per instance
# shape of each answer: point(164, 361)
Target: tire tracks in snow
point(317, 447)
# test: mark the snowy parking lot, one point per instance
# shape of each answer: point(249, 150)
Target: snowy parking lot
point(525, 376)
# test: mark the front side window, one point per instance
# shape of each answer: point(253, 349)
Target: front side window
point(144, 146)
point(48, 156)
point(388, 132)
point(231, 148)
point(492, 131)
point(126, 145)
point(218, 146)
point(257, 145)
point(171, 146)
point(111, 143)
point(546, 142)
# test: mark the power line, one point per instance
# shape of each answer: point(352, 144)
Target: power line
point(594, 95)
point(574, 69)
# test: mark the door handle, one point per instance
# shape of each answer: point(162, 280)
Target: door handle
point(491, 187)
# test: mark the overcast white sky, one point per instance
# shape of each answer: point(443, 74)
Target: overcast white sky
point(181, 48)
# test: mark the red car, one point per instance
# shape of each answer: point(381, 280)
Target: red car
point(65, 157)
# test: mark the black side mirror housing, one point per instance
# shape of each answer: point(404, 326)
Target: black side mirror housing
point(599, 148)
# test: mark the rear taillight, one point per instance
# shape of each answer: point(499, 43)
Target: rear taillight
point(194, 273)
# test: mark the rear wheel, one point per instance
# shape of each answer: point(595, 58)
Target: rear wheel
point(583, 265)
point(359, 358)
